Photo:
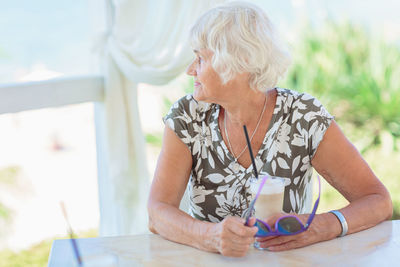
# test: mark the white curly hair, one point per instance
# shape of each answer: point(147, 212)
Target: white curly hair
point(243, 40)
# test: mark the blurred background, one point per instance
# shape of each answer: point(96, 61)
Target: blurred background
point(345, 53)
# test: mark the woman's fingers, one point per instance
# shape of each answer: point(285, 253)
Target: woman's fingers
point(237, 240)
point(236, 226)
point(263, 239)
point(278, 240)
point(235, 237)
point(286, 246)
point(252, 221)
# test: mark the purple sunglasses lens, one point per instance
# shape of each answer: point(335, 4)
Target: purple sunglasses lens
point(285, 226)
point(263, 229)
point(288, 225)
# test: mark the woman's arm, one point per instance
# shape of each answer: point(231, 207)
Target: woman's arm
point(339, 162)
point(229, 237)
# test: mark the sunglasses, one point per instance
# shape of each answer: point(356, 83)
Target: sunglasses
point(285, 225)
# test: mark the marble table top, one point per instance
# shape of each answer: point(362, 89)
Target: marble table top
point(378, 246)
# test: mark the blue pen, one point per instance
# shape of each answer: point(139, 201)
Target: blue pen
point(71, 235)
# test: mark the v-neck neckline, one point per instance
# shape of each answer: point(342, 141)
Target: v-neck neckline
point(262, 147)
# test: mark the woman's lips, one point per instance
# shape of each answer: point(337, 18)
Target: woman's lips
point(197, 84)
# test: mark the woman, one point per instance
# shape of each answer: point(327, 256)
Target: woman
point(238, 64)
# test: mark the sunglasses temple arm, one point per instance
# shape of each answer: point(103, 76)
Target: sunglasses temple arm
point(310, 219)
point(255, 199)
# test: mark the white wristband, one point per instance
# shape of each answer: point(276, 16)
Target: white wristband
point(342, 221)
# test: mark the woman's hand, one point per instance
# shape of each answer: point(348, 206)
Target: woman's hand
point(231, 237)
point(323, 227)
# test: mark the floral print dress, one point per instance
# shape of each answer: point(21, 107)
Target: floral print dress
point(218, 186)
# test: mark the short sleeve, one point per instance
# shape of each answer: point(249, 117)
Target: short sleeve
point(317, 121)
point(179, 120)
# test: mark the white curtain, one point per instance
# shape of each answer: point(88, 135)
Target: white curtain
point(147, 42)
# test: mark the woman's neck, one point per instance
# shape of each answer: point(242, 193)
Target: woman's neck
point(245, 108)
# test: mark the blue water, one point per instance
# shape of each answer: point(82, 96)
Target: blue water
point(53, 32)
point(57, 32)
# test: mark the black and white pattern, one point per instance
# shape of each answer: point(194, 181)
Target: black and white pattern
point(218, 186)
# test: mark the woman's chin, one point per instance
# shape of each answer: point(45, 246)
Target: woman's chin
point(198, 95)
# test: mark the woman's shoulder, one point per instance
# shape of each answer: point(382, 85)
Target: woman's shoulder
point(189, 108)
point(183, 103)
point(289, 94)
point(291, 100)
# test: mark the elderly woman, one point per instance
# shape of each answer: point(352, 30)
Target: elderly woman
point(237, 66)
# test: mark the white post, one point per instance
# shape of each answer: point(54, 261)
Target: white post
point(104, 181)
point(101, 21)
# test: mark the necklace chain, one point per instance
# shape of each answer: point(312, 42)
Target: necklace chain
point(252, 135)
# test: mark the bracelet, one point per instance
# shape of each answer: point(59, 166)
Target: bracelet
point(342, 221)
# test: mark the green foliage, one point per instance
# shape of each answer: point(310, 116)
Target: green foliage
point(355, 76)
point(36, 255)
point(188, 89)
point(8, 177)
point(386, 167)
point(4, 212)
point(396, 210)
point(154, 139)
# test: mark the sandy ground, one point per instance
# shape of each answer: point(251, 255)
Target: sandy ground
point(54, 150)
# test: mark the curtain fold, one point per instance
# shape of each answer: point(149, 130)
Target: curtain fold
point(147, 43)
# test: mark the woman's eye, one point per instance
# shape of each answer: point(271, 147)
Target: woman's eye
point(200, 60)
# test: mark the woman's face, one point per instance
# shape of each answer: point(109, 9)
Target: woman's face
point(207, 83)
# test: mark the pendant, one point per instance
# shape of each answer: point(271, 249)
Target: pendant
point(236, 166)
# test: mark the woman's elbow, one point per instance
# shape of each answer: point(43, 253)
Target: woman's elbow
point(386, 206)
point(389, 206)
point(151, 225)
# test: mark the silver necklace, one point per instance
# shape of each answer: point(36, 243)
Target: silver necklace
point(252, 135)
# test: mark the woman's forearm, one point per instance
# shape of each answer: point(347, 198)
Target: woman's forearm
point(176, 225)
point(367, 212)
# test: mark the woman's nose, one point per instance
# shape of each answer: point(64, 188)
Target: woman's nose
point(191, 70)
